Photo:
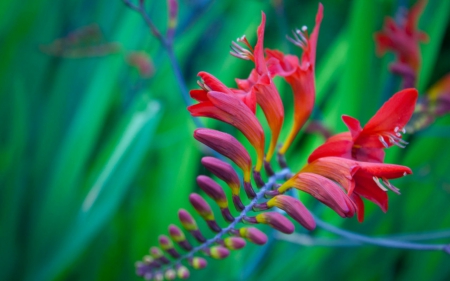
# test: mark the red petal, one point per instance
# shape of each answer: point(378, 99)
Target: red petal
point(281, 64)
point(353, 125)
point(381, 170)
point(340, 148)
point(383, 43)
point(199, 95)
point(413, 16)
point(396, 112)
point(359, 206)
point(213, 83)
point(367, 188)
point(260, 62)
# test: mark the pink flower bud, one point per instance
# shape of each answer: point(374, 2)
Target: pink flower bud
point(253, 235)
point(165, 242)
point(223, 171)
point(234, 243)
point(198, 263)
point(176, 234)
point(276, 221)
point(295, 209)
point(183, 272)
point(170, 274)
point(228, 146)
point(214, 190)
point(187, 220)
point(219, 252)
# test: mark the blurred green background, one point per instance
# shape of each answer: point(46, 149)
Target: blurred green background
point(95, 160)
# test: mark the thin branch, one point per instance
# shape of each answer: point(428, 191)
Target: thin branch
point(383, 242)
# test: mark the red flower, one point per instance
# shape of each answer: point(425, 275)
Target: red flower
point(299, 75)
point(403, 38)
point(326, 179)
point(260, 83)
point(383, 130)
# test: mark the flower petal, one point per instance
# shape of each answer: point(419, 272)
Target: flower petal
point(396, 112)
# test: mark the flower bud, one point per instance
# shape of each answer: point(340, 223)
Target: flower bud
point(219, 252)
point(170, 274)
point(253, 235)
point(201, 206)
point(178, 236)
point(234, 243)
point(223, 171)
point(198, 263)
point(187, 220)
point(204, 210)
point(228, 146)
point(214, 190)
point(165, 242)
point(295, 209)
point(182, 272)
point(276, 221)
point(156, 252)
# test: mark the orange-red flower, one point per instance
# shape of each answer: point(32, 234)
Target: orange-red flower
point(299, 75)
point(403, 38)
point(261, 84)
point(383, 130)
point(340, 183)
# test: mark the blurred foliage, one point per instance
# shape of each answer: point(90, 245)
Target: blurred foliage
point(95, 160)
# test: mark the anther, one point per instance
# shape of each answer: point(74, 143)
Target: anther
point(383, 141)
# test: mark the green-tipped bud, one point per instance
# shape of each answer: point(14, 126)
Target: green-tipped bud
point(198, 263)
point(156, 252)
point(176, 234)
point(201, 206)
point(170, 274)
point(187, 220)
point(234, 243)
point(276, 221)
point(219, 252)
point(253, 235)
point(165, 242)
point(182, 272)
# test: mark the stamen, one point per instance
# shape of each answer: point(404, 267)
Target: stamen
point(397, 139)
point(203, 85)
point(404, 130)
point(390, 186)
point(240, 52)
point(396, 129)
point(375, 179)
point(244, 40)
point(383, 141)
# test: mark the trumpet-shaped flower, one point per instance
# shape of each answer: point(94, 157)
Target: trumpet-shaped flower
point(260, 83)
point(299, 75)
point(383, 130)
point(339, 183)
